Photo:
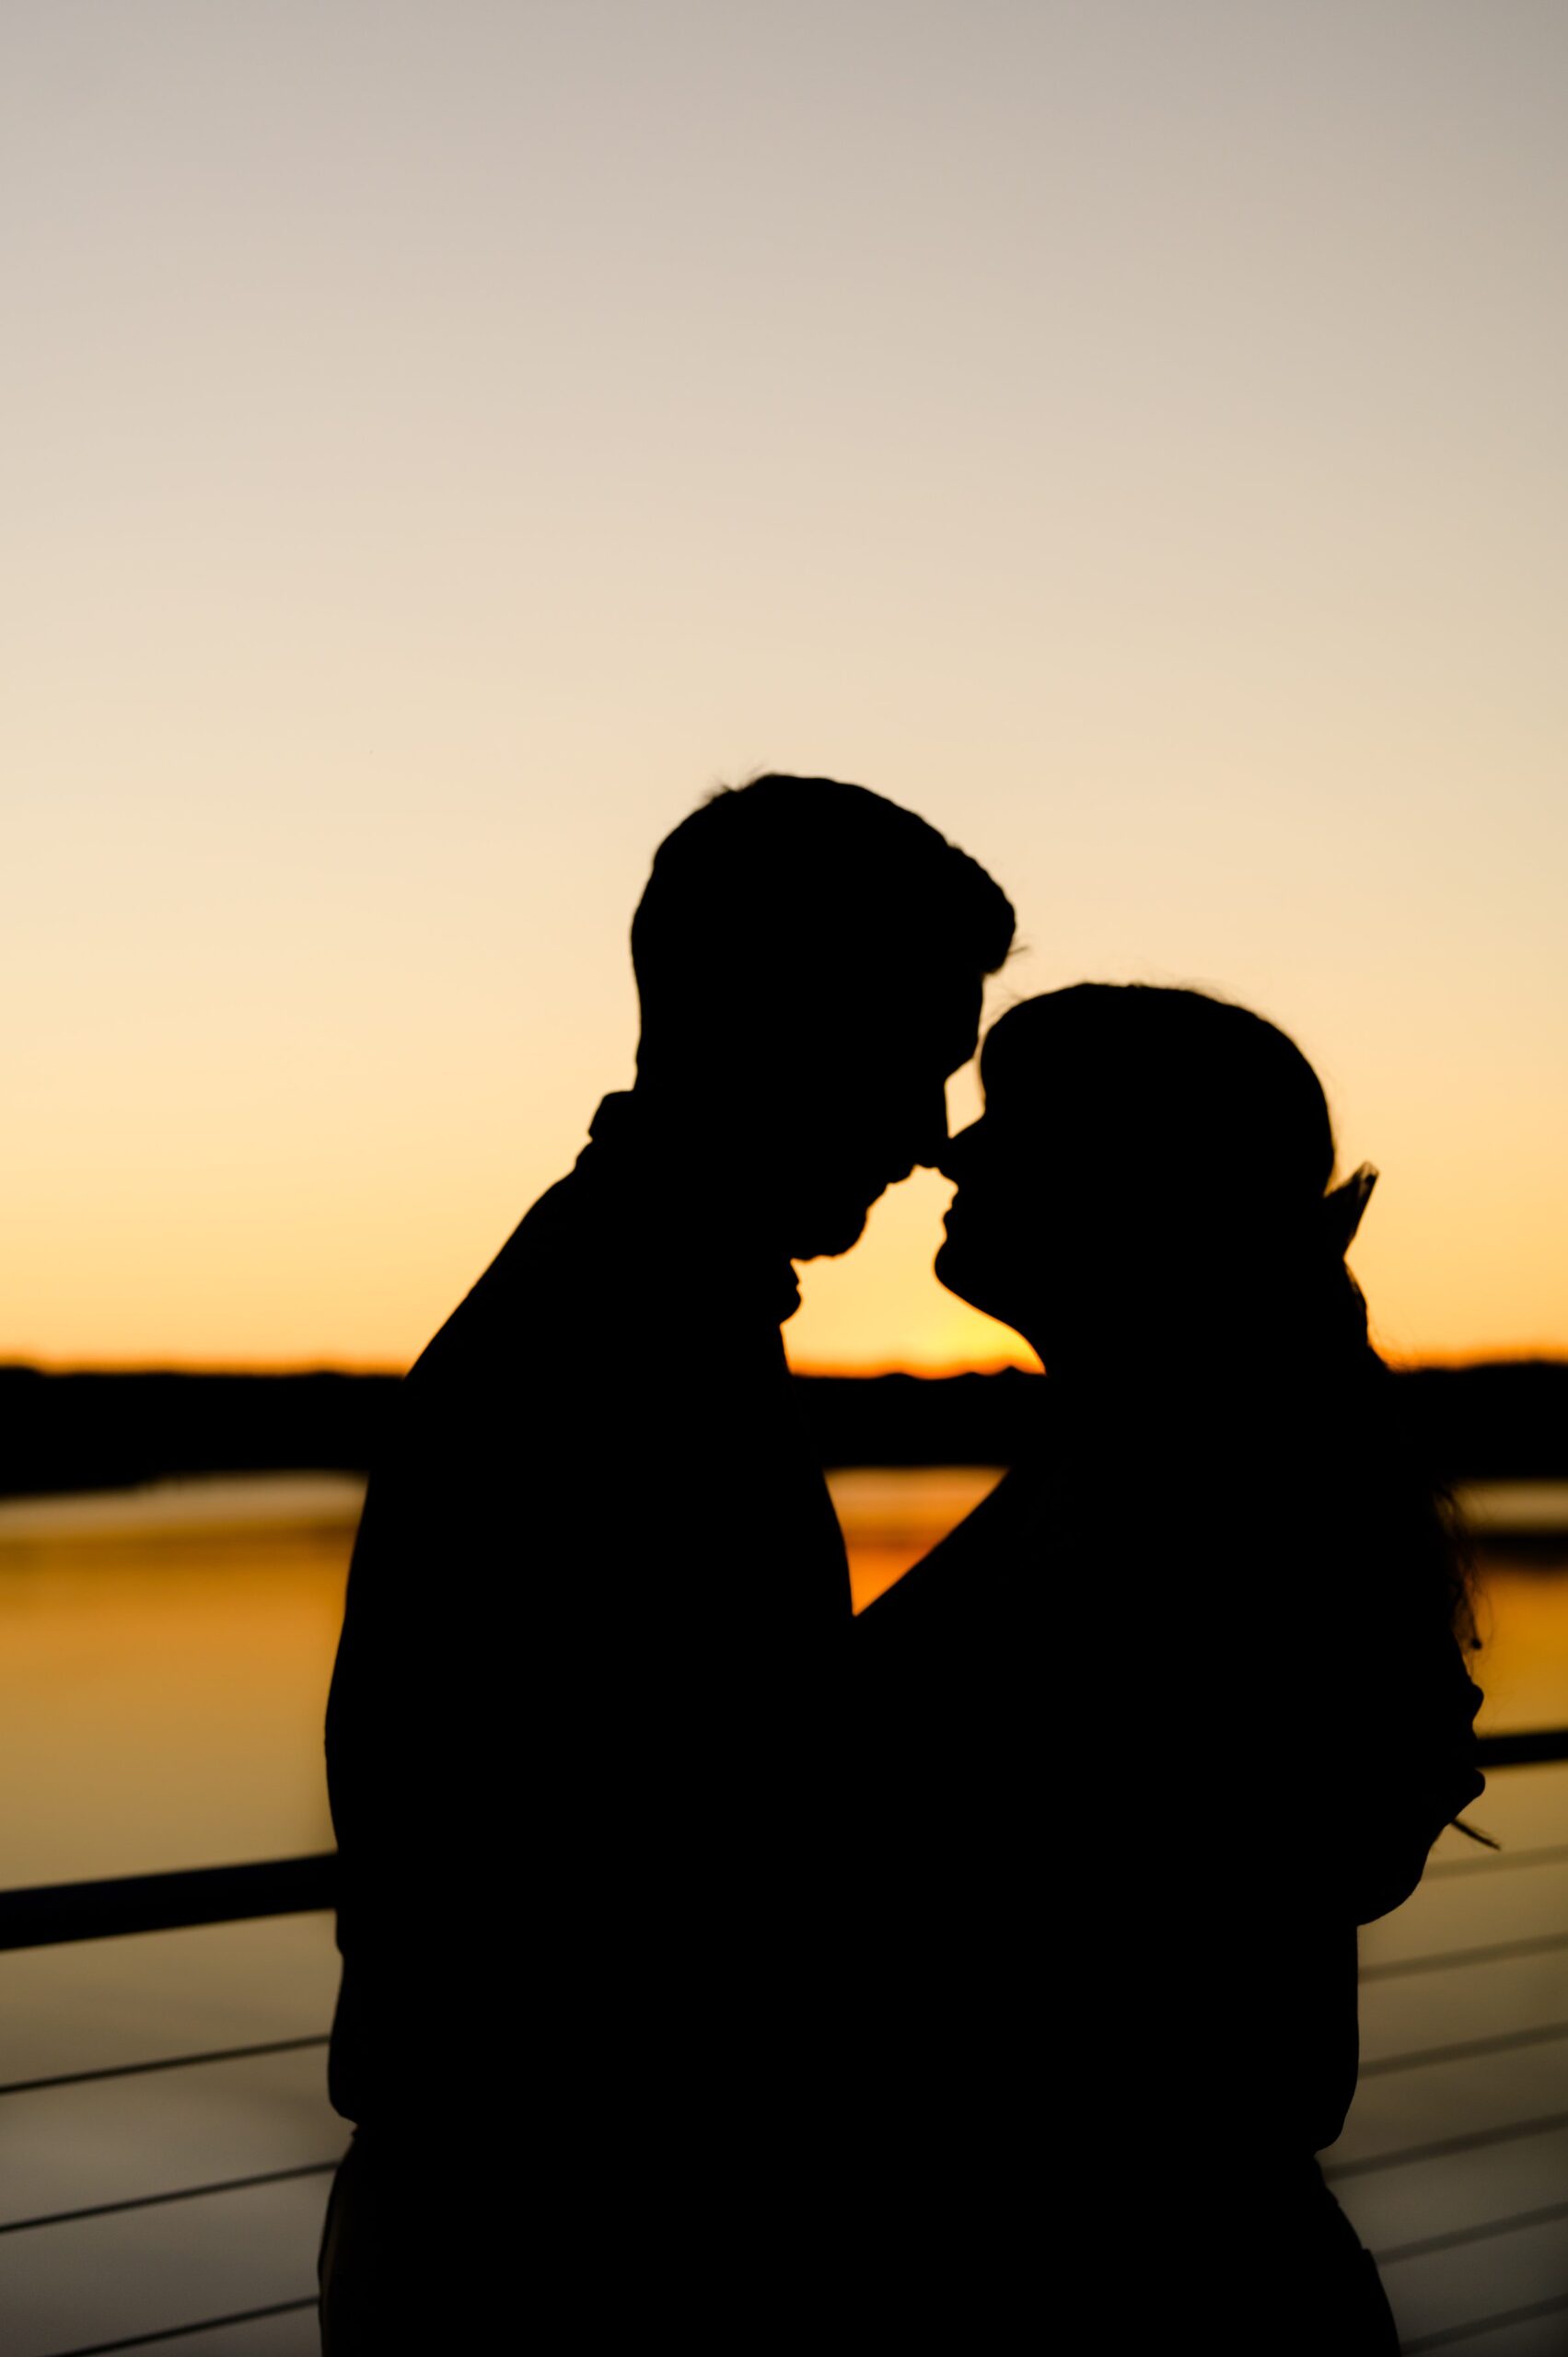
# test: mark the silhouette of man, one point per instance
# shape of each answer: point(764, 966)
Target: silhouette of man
point(585, 1740)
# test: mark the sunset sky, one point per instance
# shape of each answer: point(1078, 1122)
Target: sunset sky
point(442, 442)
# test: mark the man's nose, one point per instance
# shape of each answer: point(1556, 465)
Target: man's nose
point(953, 1159)
point(933, 1141)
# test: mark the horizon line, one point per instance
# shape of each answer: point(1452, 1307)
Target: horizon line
point(856, 1370)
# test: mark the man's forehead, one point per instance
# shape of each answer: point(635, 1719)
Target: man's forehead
point(955, 1010)
point(929, 1011)
point(927, 991)
point(923, 1051)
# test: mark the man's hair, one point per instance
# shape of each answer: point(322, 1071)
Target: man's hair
point(789, 888)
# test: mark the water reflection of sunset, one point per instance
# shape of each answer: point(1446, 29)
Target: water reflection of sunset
point(161, 1697)
point(165, 1656)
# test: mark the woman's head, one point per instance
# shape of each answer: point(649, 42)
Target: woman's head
point(1149, 1175)
point(1146, 1198)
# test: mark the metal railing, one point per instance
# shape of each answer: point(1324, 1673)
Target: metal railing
point(55, 1914)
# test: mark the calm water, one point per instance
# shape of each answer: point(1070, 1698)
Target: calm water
point(164, 1655)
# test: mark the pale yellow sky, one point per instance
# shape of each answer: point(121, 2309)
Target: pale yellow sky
point(442, 442)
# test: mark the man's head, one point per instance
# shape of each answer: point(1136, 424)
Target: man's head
point(809, 960)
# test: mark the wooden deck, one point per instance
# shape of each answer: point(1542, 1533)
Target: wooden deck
point(1454, 2163)
point(244, 2124)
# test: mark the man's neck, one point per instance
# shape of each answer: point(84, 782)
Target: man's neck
point(705, 1197)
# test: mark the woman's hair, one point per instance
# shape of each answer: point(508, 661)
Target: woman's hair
point(1199, 1130)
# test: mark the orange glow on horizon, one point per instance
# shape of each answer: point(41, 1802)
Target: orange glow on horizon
point(867, 1370)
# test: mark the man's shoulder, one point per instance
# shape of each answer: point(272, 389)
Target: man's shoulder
point(525, 1297)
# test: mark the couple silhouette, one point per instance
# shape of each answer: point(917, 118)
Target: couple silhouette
point(717, 1963)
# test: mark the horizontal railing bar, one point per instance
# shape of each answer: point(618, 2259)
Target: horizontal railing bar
point(1452, 2336)
point(166, 2063)
point(1550, 1854)
point(53, 1913)
point(1431, 2244)
point(1502, 1952)
point(1473, 2140)
point(1464, 2051)
point(1533, 1747)
point(184, 2331)
point(156, 2201)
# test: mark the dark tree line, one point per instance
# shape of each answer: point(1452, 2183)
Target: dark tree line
point(61, 1431)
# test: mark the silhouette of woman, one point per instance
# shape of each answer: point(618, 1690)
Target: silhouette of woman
point(1183, 1703)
